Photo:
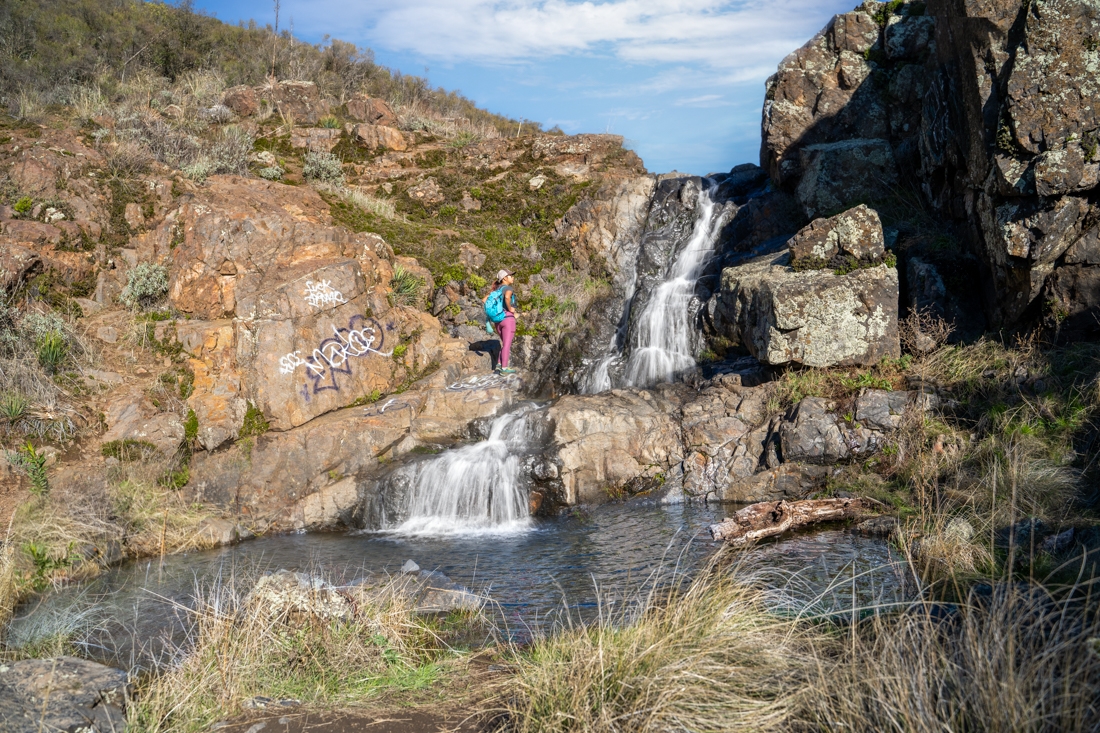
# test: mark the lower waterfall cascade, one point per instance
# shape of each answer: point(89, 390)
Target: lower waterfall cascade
point(469, 489)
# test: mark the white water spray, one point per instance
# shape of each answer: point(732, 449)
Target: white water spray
point(477, 488)
point(661, 344)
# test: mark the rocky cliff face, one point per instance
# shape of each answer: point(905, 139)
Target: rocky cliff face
point(985, 108)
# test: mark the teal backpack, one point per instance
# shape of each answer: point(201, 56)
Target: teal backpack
point(494, 306)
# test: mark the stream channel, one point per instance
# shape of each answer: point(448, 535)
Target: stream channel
point(535, 577)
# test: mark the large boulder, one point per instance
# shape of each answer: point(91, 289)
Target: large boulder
point(603, 441)
point(299, 101)
point(379, 137)
point(836, 175)
point(813, 317)
point(371, 110)
point(63, 694)
point(821, 93)
point(856, 232)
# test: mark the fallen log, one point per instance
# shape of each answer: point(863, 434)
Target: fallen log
point(771, 518)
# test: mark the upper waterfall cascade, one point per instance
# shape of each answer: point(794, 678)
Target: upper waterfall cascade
point(657, 345)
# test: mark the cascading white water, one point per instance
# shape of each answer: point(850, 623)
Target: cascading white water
point(477, 488)
point(661, 345)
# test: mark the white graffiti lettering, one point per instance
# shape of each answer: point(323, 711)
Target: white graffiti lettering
point(322, 294)
point(391, 404)
point(486, 381)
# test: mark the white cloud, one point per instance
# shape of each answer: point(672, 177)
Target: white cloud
point(741, 37)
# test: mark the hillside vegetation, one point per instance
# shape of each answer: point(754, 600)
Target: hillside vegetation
point(51, 51)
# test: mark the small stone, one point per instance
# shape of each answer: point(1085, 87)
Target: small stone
point(536, 182)
point(110, 461)
point(108, 334)
point(959, 529)
point(410, 567)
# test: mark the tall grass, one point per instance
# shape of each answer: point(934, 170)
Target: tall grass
point(1012, 660)
point(713, 658)
point(708, 657)
point(8, 586)
point(282, 645)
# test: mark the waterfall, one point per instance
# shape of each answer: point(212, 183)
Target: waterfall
point(477, 488)
point(659, 346)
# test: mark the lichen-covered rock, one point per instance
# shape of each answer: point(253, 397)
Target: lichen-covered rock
point(820, 94)
point(1055, 77)
point(909, 37)
point(836, 175)
point(63, 694)
point(814, 317)
point(297, 100)
point(297, 597)
point(856, 232)
point(16, 263)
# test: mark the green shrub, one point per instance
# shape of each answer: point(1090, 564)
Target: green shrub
point(254, 422)
point(406, 287)
point(271, 173)
point(191, 427)
point(23, 205)
point(33, 464)
point(329, 122)
point(13, 407)
point(146, 285)
point(477, 282)
point(323, 167)
point(53, 350)
point(399, 351)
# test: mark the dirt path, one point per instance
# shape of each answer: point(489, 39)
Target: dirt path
point(392, 721)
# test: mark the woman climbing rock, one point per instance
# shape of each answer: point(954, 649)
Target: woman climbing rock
point(500, 316)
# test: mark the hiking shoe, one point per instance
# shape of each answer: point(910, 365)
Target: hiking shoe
point(507, 370)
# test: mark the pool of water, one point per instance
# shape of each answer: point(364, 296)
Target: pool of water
point(567, 565)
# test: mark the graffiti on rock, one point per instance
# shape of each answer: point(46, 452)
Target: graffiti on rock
point(322, 294)
point(390, 405)
point(333, 355)
point(486, 381)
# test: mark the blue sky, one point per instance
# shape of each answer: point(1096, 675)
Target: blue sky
point(682, 81)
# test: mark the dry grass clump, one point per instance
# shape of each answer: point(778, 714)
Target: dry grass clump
point(9, 593)
point(69, 533)
point(1008, 659)
point(708, 657)
point(312, 644)
point(449, 124)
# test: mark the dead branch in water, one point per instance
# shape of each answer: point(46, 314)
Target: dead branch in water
point(771, 518)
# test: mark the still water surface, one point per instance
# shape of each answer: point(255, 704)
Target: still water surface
point(128, 615)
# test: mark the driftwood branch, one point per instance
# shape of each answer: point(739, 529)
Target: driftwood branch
point(771, 518)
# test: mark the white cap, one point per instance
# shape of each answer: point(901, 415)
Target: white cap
point(502, 274)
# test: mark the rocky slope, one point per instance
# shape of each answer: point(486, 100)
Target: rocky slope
point(321, 314)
